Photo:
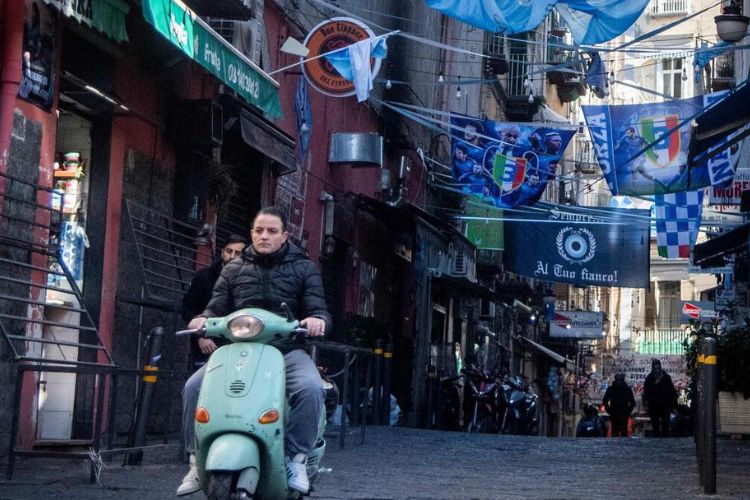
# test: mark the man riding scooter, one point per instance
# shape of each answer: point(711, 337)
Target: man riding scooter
point(271, 271)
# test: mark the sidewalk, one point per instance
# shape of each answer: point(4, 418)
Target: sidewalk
point(398, 463)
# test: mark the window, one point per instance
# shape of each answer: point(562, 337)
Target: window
point(672, 77)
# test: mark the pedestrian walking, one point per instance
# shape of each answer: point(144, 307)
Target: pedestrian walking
point(197, 297)
point(619, 403)
point(660, 397)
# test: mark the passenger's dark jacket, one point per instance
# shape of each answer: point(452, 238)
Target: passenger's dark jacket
point(659, 394)
point(266, 281)
point(195, 301)
point(619, 400)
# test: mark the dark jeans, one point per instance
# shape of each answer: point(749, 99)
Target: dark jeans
point(660, 424)
point(619, 425)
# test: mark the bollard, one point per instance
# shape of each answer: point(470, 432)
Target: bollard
point(385, 408)
point(376, 386)
point(707, 363)
point(356, 414)
point(146, 395)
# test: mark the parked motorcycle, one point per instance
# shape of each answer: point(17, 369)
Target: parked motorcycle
point(520, 407)
point(242, 409)
point(484, 392)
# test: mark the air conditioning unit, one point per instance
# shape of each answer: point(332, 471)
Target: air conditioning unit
point(198, 122)
point(460, 264)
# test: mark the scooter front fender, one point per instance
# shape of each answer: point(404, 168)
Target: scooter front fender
point(233, 451)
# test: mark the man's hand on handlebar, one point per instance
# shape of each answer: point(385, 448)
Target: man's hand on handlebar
point(316, 327)
point(197, 323)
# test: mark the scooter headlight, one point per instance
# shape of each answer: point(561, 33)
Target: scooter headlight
point(245, 326)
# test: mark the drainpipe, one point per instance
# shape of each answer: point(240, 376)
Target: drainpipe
point(12, 17)
point(401, 189)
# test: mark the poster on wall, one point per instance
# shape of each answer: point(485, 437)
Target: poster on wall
point(38, 55)
point(505, 164)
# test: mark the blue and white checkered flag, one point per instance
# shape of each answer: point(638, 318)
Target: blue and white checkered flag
point(678, 218)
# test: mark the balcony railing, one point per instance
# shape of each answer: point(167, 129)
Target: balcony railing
point(661, 341)
point(669, 7)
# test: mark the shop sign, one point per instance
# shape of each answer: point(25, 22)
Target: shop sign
point(327, 36)
point(697, 311)
point(577, 325)
point(731, 195)
point(197, 40)
point(38, 56)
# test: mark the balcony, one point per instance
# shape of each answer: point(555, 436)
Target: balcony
point(669, 7)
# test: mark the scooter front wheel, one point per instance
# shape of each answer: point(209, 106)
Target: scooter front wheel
point(220, 486)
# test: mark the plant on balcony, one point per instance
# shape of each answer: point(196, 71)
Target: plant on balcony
point(732, 352)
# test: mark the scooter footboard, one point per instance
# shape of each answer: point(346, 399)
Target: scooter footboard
point(233, 451)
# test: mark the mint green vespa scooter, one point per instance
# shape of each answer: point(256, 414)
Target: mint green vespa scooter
point(242, 409)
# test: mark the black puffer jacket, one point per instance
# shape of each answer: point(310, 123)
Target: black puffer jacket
point(266, 281)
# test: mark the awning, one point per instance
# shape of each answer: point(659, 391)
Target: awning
point(712, 252)
point(181, 26)
point(720, 121)
point(557, 358)
point(269, 140)
point(107, 16)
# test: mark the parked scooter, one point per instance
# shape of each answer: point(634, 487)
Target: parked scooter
point(242, 409)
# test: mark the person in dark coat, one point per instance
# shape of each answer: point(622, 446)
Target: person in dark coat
point(271, 271)
point(619, 403)
point(660, 397)
point(199, 294)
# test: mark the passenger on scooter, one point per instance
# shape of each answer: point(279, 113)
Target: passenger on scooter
point(271, 271)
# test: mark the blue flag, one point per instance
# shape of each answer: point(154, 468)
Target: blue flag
point(642, 149)
point(590, 21)
point(304, 119)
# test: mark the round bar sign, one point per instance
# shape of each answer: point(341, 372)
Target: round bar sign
point(330, 35)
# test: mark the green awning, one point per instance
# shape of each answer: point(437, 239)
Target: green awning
point(177, 23)
point(106, 16)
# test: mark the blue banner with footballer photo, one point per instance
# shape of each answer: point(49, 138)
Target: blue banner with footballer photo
point(580, 245)
point(505, 164)
point(642, 149)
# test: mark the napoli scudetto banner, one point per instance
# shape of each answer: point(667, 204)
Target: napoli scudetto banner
point(580, 245)
point(622, 136)
point(505, 164)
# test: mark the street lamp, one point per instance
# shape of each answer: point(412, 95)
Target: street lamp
point(731, 25)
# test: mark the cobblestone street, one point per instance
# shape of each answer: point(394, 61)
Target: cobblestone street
point(398, 463)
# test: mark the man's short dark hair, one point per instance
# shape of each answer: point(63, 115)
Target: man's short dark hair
point(272, 211)
point(236, 238)
point(462, 148)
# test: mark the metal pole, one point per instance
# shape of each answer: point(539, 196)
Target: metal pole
point(151, 368)
point(100, 391)
point(377, 388)
point(708, 409)
point(14, 421)
point(386, 400)
point(344, 399)
point(356, 414)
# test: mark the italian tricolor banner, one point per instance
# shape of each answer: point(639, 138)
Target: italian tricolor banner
point(509, 173)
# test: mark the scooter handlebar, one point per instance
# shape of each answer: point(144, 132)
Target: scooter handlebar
point(195, 331)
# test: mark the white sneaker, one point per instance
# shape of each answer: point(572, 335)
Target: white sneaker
point(296, 473)
point(191, 482)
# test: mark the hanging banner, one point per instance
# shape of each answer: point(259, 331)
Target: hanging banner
point(327, 36)
point(505, 164)
point(485, 232)
point(636, 155)
point(580, 245)
point(38, 56)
